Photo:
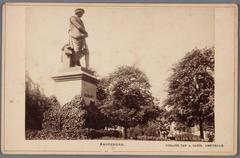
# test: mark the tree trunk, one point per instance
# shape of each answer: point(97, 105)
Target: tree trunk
point(125, 132)
point(201, 127)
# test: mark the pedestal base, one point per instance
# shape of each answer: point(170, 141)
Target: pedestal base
point(75, 81)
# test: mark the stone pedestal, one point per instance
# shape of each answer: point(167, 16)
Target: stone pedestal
point(70, 82)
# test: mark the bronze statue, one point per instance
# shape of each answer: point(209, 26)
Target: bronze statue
point(77, 46)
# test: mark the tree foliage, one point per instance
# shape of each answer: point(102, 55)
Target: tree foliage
point(191, 89)
point(36, 104)
point(125, 98)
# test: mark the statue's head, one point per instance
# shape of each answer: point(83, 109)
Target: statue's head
point(79, 12)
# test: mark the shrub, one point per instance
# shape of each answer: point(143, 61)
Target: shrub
point(144, 137)
point(136, 131)
point(55, 135)
point(187, 137)
point(143, 131)
point(210, 136)
point(151, 132)
point(36, 105)
point(72, 118)
point(30, 134)
point(72, 135)
point(94, 134)
point(51, 117)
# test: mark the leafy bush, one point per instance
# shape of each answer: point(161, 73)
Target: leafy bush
point(151, 132)
point(68, 135)
point(144, 137)
point(55, 135)
point(94, 134)
point(41, 134)
point(143, 131)
point(51, 117)
point(72, 118)
point(187, 137)
point(72, 135)
point(31, 134)
point(210, 136)
point(135, 132)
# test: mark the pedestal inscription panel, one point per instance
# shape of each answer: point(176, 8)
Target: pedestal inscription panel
point(75, 81)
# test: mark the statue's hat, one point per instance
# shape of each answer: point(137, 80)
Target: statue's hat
point(79, 10)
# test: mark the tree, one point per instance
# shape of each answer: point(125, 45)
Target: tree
point(36, 104)
point(125, 98)
point(191, 89)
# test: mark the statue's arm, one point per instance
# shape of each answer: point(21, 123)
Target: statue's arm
point(75, 22)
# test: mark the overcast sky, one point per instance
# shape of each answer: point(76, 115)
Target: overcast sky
point(152, 38)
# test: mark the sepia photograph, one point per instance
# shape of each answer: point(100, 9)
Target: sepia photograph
point(119, 74)
point(140, 84)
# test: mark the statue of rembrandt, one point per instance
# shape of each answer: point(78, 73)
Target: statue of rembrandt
point(77, 46)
